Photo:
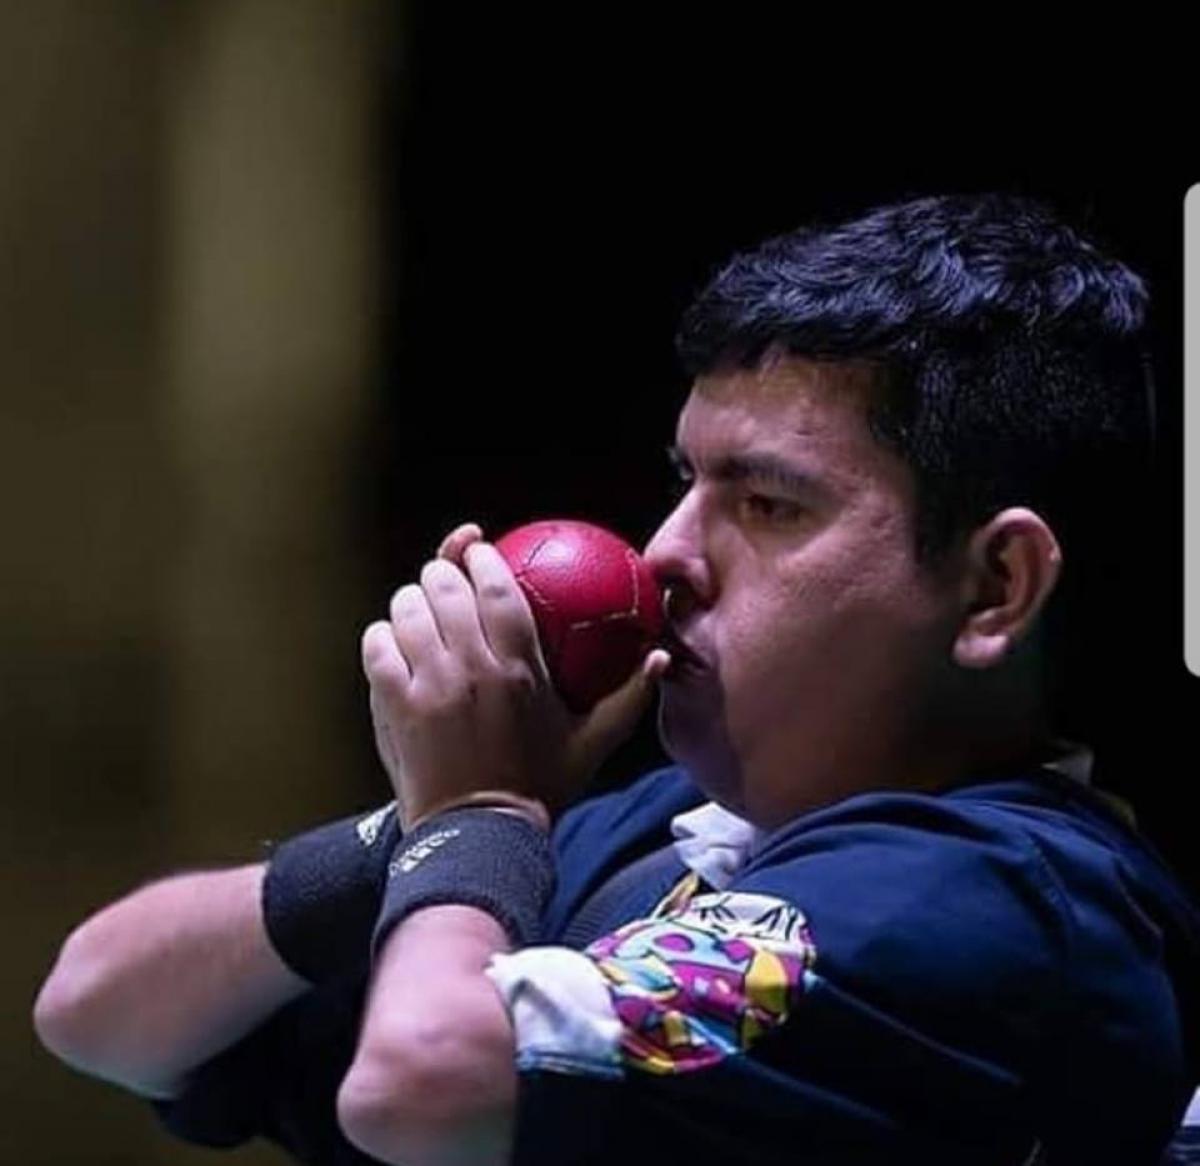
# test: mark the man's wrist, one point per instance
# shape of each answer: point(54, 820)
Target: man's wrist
point(531, 809)
point(476, 856)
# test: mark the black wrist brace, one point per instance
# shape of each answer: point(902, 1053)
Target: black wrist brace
point(322, 891)
point(491, 859)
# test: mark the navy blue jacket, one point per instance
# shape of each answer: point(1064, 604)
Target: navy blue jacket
point(989, 973)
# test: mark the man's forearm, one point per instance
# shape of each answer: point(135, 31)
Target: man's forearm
point(434, 1078)
point(156, 983)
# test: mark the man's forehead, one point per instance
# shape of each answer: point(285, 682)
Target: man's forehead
point(789, 405)
point(782, 375)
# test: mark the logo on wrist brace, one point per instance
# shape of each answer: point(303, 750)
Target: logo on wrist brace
point(368, 828)
point(419, 851)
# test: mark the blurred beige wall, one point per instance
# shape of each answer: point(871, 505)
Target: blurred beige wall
point(188, 237)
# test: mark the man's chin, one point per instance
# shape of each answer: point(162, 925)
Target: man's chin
point(720, 782)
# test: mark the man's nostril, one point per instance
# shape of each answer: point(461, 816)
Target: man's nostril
point(674, 603)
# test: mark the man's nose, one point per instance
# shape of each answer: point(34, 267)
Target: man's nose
point(676, 556)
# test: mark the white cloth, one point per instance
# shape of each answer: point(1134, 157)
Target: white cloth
point(714, 842)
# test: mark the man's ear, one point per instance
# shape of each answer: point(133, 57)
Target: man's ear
point(1012, 565)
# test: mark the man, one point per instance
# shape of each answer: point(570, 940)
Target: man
point(873, 912)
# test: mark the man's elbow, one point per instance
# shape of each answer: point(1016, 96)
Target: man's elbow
point(73, 1022)
point(433, 1103)
point(63, 1016)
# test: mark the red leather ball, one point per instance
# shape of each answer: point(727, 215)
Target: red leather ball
point(597, 607)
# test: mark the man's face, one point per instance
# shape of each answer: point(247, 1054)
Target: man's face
point(825, 649)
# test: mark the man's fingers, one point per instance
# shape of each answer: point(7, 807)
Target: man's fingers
point(457, 541)
point(614, 718)
point(451, 598)
point(416, 632)
point(382, 660)
point(504, 611)
point(655, 664)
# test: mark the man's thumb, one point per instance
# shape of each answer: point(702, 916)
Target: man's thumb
point(615, 716)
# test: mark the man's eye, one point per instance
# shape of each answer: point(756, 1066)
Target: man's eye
point(775, 509)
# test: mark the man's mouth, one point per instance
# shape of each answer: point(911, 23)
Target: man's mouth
point(683, 658)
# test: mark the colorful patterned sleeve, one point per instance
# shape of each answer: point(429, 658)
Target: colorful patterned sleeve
point(695, 983)
point(967, 978)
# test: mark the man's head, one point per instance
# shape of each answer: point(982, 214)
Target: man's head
point(961, 379)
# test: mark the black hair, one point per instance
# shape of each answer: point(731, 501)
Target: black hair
point(1009, 350)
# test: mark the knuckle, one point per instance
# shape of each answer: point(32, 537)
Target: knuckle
point(496, 591)
point(387, 678)
point(518, 676)
point(449, 695)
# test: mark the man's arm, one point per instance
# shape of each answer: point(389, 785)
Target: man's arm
point(466, 716)
point(434, 1079)
point(160, 981)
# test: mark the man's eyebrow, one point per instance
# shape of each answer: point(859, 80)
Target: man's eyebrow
point(759, 467)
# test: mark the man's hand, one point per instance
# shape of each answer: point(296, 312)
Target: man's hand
point(461, 697)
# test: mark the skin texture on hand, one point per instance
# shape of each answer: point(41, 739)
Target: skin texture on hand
point(461, 698)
